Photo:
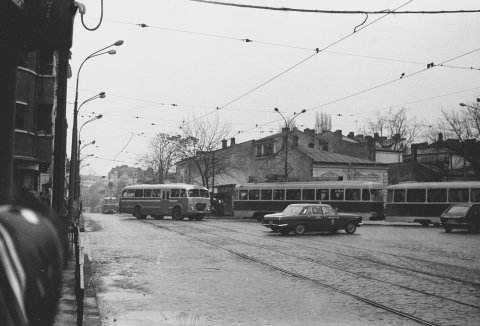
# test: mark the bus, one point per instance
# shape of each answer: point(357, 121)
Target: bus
point(255, 200)
point(109, 205)
point(178, 200)
point(424, 202)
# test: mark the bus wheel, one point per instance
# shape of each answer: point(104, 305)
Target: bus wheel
point(177, 214)
point(137, 212)
point(199, 217)
point(350, 228)
point(299, 229)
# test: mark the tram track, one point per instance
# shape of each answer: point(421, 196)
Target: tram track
point(186, 230)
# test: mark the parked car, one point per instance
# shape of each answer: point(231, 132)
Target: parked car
point(461, 216)
point(302, 218)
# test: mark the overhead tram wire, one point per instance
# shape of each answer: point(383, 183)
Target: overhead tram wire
point(317, 51)
point(343, 12)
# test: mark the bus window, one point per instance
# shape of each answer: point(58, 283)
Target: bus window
point(475, 195)
point(128, 193)
point(139, 193)
point(336, 194)
point(389, 195)
point(183, 193)
point(416, 195)
point(437, 195)
point(278, 194)
point(352, 194)
point(204, 193)
point(266, 194)
point(243, 195)
point(308, 194)
point(254, 194)
point(458, 195)
point(156, 192)
point(175, 193)
point(376, 194)
point(322, 194)
point(194, 193)
point(147, 193)
point(366, 194)
point(399, 196)
point(294, 194)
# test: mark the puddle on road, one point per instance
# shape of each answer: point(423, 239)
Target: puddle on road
point(148, 317)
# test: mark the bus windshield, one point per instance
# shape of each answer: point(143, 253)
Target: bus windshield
point(198, 193)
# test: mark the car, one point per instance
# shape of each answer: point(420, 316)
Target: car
point(461, 216)
point(302, 218)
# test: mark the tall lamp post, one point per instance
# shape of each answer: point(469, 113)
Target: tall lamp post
point(472, 107)
point(286, 129)
point(73, 212)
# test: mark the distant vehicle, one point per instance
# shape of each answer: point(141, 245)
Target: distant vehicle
point(365, 198)
point(178, 200)
point(302, 218)
point(109, 205)
point(424, 202)
point(461, 216)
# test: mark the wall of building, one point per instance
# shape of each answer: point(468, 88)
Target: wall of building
point(351, 172)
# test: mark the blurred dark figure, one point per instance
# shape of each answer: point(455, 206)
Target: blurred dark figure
point(31, 261)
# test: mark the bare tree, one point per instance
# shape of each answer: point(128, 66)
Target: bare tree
point(202, 140)
point(165, 151)
point(323, 122)
point(400, 130)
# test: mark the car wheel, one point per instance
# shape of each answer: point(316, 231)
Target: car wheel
point(177, 214)
point(284, 231)
point(448, 228)
point(474, 228)
point(300, 229)
point(350, 227)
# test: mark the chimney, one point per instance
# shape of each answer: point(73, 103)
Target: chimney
point(440, 137)
point(414, 152)
point(232, 141)
point(224, 143)
point(295, 141)
point(375, 136)
point(285, 129)
point(351, 135)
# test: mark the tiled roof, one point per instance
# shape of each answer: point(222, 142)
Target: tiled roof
point(320, 156)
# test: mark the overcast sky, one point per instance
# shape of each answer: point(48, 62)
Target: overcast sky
point(192, 60)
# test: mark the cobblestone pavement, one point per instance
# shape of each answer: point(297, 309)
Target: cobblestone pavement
point(219, 272)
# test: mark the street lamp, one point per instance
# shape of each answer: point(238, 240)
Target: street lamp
point(90, 143)
point(73, 159)
point(463, 104)
point(286, 129)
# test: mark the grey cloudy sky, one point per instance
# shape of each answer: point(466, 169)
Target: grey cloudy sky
point(193, 56)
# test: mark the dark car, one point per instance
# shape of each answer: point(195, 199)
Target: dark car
point(461, 216)
point(302, 218)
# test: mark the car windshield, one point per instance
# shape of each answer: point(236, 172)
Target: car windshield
point(295, 210)
point(457, 209)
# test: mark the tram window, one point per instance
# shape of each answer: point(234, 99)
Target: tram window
point(278, 194)
point(399, 196)
point(266, 194)
point(416, 195)
point(294, 194)
point(243, 195)
point(254, 194)
point(336, 194)
point(352, 194)
point(308, 194)
point(175, 193)
point(458, 195)
point(365, 194)
point(437, 195)
point(475, 195)
point(147, 193)
point(139, 193)
point(389, 195)
point(376, 194)
point(322, 194)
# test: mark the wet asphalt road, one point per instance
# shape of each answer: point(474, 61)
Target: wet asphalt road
point(236, 272)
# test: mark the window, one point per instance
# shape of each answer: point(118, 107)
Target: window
point(175, 193)
point(194, 193)
point(46, 63)
point(294, 194)
point(458, 195)
point(475, 195)
point(322, 194)
point(183, 193)
point(128, 193)
point(265, 149)
point(243, 195)
point(20, 114)
point(44, 118)
point(268, 149)
point(156, 192)
point(204, 193)
point(317, 210)
point(328, 210)
point(366, 194)
point(389, 196)
point(139, 193)
point(437, 195)
point(376, 194)
point(336, 194)
point(399, 195)
point(278, 194)
point(308, 194)
point(416, 195)
point(352, 194)
point(266, 194)
point(254, 194)
point(147, 193)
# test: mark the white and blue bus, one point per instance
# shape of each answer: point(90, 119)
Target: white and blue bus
point(424, 202)
point(178, 200)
